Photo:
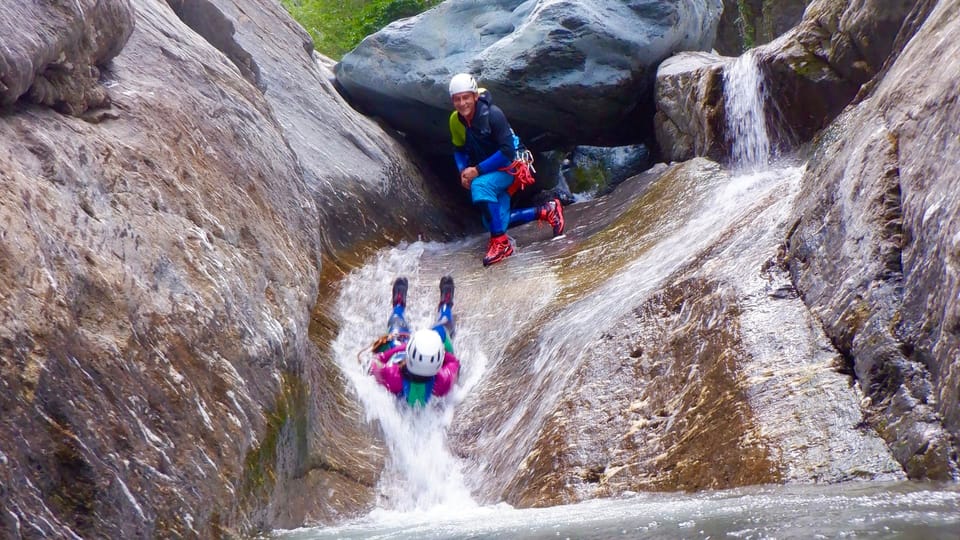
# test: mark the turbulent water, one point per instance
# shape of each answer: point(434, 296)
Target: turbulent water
point(421, 471)
point(876, 511)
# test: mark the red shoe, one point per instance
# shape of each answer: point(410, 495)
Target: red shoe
point(498, 249)
point(552, 213)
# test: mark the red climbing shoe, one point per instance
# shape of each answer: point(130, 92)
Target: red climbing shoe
point(498, 249)
point(552, 213)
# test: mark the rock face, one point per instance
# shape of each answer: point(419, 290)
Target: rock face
point(163, 322)
point(815, 70)
point(169, 249)
point(748, 23)
point(699, 366)
point(690, 119)
point(810, 74)
point(874, 249)
point(564, 72)
point(52, 54)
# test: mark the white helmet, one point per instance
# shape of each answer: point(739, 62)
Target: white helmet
point(462, 82)
point(425, 353)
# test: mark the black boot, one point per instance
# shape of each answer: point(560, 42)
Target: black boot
point(446, 290)
point(400, 292)
point(445, 308)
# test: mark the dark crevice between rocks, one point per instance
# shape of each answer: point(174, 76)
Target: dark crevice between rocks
point(218, 29)
point(783, 135)
point(891, 201)
point(845, 365)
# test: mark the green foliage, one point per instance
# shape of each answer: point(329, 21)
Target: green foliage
point(337, 26)
point(746, 23)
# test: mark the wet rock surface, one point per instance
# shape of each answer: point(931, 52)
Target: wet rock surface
point(868, 260)
point(709, 376)
point(690, 119)
point(53, 51)
point(810, 74)
point(168, 259)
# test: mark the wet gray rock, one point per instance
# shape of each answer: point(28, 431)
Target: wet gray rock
point(748, 23)
point(810, 74)
point(693, 372)
point(52, 53)
point(690, 118)
point(873, 249)
point(817, 69)
point(564, 72)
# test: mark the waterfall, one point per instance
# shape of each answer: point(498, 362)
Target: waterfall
point(745, 93)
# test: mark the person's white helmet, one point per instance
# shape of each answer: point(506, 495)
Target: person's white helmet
point(424, 353)
point(462, 82)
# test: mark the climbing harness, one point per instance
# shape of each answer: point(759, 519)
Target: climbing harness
point(379, 345)
point(522, 171)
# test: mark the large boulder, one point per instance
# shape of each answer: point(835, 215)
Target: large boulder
point(563, 71)
point(690, 119)
point(874, 250)
point(52, 52)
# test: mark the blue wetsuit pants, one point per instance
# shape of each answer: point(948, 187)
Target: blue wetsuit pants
point(489, 193)
point(397, 324)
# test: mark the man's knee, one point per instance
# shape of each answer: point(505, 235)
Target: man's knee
point(488, 187)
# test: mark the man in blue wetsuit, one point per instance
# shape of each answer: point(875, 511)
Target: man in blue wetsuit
point(485, 147)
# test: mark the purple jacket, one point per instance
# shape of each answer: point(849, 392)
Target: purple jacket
point(391, 375)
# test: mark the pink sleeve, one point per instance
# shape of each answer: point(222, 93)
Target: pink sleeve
point(388, 374)
point(447, 376)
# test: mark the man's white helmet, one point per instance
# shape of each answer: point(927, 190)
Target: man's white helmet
point(462, 82)
point(424, 353)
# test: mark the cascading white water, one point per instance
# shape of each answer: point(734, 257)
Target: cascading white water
point(744, 97)
point(421, 473)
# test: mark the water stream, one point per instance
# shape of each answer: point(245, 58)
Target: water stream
point(421, 472)
point(744, 97)
point(876, 511)
point(427, 491)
